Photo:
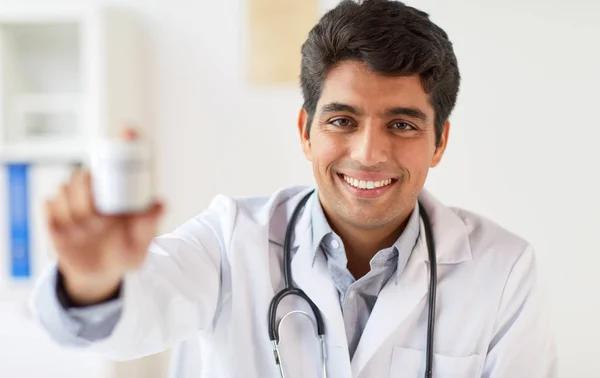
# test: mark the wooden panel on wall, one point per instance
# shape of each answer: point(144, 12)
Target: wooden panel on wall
point(277, 29)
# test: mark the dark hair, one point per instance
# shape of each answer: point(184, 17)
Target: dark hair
point(391, 38)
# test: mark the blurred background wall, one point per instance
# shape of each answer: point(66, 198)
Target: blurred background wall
point(522, 146)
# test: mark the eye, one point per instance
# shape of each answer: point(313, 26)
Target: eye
point(341, 122)
point(400, 125)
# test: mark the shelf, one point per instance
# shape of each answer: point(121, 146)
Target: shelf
point(22, 13)
point(59, 151)
point(42, 107)
point(48, 103)
point(68, 76)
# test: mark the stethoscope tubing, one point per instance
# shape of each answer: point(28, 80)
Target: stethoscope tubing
point(289, 289)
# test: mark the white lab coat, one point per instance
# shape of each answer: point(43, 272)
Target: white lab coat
point(211, 280)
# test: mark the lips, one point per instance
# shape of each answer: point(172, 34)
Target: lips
point(367, 185)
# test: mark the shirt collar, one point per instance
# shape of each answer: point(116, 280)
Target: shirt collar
point(404, 244)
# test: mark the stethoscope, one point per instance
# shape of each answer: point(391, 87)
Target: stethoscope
point(291, 290)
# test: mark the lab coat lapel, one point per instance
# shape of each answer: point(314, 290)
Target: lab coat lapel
point(395, 302)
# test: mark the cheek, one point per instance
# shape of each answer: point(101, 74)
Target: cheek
point(327, 151)
point(414, 157)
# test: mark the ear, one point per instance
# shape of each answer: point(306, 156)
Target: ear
point(303, 131)
point(441, 147)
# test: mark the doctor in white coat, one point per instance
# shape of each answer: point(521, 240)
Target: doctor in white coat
point(379, 81)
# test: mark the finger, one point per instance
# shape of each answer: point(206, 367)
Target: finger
point(50, 215)
point(81, 202)
point(75, 225)
point(54, 228)
point(128, 133)
point(151, 215)
point(156, 210)
point(62, 213)
point(144, 226)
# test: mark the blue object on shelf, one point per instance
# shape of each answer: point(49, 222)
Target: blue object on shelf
point(18, 198)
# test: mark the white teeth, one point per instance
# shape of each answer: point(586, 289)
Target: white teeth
point(363, 184)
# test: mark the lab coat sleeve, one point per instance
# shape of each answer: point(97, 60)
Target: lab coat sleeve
point(76, 327)
point(172, 297)
point(523, 345)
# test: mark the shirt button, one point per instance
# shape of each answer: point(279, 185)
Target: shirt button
point(335, 244)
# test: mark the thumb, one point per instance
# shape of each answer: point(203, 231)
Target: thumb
point(144, 226)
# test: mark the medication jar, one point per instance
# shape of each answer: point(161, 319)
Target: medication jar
point(122, 179)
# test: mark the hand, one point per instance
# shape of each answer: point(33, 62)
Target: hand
point(94, 250)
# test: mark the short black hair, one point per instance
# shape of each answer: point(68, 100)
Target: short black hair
point(391, 38)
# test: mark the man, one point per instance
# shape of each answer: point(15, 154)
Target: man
point(379, 81)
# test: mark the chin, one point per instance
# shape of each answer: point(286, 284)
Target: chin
point(367, 215)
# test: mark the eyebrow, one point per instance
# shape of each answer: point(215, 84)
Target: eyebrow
point(334, 107)
point(407, 111)
point(396, 111)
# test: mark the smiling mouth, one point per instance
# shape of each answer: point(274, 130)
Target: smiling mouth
point(366, 184)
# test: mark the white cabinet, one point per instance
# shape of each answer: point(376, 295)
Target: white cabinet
point(67, 76)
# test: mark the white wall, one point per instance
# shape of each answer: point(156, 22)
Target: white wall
point(521, 148)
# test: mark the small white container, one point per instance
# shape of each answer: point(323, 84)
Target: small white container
point(122, 180)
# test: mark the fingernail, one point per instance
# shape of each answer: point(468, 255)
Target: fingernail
point(129, 133)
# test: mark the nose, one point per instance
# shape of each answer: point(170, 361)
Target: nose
point(371, 146)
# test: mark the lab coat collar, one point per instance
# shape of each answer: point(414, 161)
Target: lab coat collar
point(284, 203)
point(450, 233)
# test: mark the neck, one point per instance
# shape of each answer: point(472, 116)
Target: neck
point(361, 244)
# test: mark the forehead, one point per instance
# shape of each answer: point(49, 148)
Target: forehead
point(353, 83)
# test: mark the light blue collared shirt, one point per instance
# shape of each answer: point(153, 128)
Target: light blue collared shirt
point(358, 297)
